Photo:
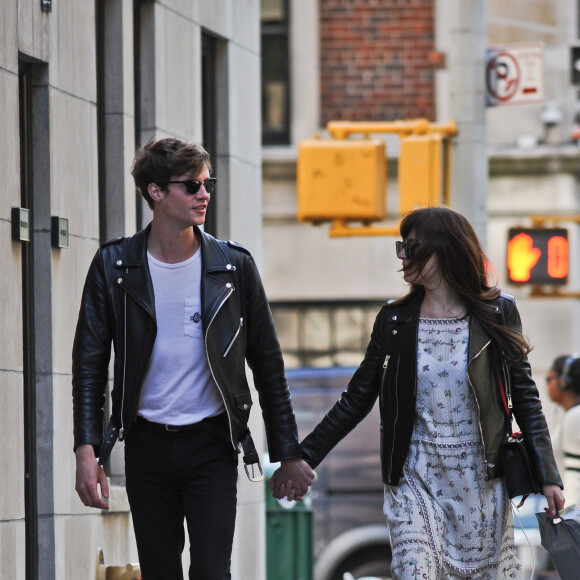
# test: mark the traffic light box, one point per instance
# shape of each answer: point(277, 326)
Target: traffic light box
point(421, 172)
point(341, 179)
point(537, 256)
point(346, 178)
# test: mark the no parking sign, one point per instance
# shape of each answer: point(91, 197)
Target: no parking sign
point(514, 75)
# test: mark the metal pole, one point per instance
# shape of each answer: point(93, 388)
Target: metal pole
point(461, 34)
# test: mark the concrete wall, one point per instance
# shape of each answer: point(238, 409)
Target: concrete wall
point(60, 49)
point(12, 532)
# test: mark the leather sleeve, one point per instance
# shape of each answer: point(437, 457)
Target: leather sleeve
point(527, 409)
point(264, 357)
point(91, 354)
point(353, 406)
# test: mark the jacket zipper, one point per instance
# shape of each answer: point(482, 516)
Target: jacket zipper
point(122, 429)
point(396, 419)
point(385, 365)
point(234, 338)
point(397, 405)
point(477, 402)
point(508, 385)
point(224, 299)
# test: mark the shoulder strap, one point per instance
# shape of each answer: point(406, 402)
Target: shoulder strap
point(505, 392)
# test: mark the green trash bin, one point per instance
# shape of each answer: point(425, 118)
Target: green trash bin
point(289, 552)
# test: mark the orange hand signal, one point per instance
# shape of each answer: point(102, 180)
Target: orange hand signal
point(522, 257)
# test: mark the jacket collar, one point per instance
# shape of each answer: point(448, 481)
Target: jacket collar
point(135, 251)
point(214, 259)
point(408, 311)
point(133, 268)
point(134, 254)
point(134, 276)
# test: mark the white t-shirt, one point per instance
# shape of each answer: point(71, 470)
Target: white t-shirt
point(178, 388)
point(567, 451)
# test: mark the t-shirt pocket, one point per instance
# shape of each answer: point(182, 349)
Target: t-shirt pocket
point(192, 318)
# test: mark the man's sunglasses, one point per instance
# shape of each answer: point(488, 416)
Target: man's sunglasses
point(192, 186)
point(410, 247)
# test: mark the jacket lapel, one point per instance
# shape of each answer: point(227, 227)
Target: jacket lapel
point(133, 275)
point(478, 338)
point(133, 271)
point(217, 278)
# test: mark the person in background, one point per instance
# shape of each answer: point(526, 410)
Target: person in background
point(563, 382)
point(185, 313)
point(433, 362)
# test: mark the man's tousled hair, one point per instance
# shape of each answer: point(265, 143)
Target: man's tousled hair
point(161, 159)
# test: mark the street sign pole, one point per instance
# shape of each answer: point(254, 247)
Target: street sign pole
point(466, 43)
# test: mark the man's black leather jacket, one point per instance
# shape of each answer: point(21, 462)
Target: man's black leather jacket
point(118, 306)
point(389, 372)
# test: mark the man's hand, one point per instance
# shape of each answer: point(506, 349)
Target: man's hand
point(292, 479)
point(555, 499)
point(89, 475)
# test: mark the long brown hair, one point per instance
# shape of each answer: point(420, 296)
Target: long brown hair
point(463, 264)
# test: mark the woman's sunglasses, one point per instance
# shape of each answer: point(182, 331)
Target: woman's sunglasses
point(410, 246)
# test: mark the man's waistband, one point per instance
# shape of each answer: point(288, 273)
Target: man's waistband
point(217, 425)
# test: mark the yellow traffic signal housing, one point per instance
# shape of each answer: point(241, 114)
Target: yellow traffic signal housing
point(341, 179)
point(421, 167)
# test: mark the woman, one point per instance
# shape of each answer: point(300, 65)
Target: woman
point(433, 361)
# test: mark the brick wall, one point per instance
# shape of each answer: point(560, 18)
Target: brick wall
point(375, 60)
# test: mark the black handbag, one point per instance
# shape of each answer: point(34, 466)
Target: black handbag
point(517, 467)
point(517, 464)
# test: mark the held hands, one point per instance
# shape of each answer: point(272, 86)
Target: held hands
point(291, 480)
point(555, 498)
point(89, 475)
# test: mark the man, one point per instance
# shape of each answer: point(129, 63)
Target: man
point(184, 312)
point(563, 383)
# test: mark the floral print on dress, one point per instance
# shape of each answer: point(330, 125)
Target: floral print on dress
point(446, 521)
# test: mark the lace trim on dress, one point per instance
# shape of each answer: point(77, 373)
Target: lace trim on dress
point(442, 320)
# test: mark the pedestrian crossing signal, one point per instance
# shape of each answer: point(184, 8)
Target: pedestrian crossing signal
point(537, 256)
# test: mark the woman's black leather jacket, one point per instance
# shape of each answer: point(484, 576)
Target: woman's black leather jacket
point(118, 307)
point(388, 372)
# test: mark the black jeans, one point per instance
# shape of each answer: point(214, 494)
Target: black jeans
point(177, 475)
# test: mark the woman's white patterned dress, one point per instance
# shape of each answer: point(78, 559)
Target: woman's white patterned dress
point(446, 521)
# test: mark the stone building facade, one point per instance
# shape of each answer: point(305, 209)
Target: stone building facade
point(82, 84)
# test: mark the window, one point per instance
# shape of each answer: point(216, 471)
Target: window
point(275, 73)
point(209, 112)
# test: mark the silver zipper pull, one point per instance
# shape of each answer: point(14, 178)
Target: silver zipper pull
point(386, 361)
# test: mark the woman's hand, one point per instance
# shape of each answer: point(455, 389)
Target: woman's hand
point(292, 479)
point(555, 498)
